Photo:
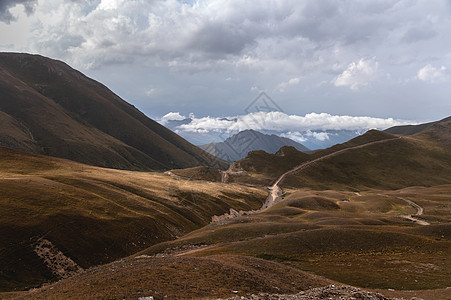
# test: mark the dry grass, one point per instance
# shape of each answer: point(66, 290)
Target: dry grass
point(363, 242)
point(180, 277)
point(96, 215)
point(200, 173)
point(397, 163)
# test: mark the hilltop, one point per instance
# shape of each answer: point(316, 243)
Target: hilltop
point(416, 129)
point(420, 159)
point(49, 108)
point(239, 145)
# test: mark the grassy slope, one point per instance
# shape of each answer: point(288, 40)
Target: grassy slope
point(417, 160)
point(395, 164)
point(355, 239)
point(414, 129)
point(71, 116)
point(181, 277)
point(96, 215)
point(200, 173)
point(262, 168)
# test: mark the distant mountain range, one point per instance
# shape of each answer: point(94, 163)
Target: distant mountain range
point(238, 146)
point(49, 108)
point(312, 139)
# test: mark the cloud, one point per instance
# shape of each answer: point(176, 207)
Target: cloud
point(204, 35)
point(358, 74)
point(172, 116)
point(293, 81)
point(151, 91)
point(301, 137)
point(287, 46)
point(430, 74)
point(416, 34)
point(281, 122)
point(5, 6)
point(320, 136)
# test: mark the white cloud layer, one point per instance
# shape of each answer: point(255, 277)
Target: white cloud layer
point(301, 137)
point(281, 122)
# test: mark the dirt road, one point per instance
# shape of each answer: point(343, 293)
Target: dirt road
point(276, 192)
point(420, 211)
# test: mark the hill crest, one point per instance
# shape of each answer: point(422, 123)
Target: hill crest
point(49, 108)
point(239, 145)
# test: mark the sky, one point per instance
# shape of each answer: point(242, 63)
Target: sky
point(341, 62)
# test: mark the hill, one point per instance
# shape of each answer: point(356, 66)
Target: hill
point(180, 278)
point(363, 239)
point(372, 212)
point(414, 129)
point(239, 145)
point(49, 108)
point(59, 216)
point(395, 163)
point(421, 159)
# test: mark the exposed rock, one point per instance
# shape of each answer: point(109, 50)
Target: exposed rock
point(331, 292)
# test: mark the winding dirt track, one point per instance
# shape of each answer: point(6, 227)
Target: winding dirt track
point(276, 192)
point(420, 211)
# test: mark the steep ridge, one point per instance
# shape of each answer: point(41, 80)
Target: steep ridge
point(59, 216)
point(414, 129)
point(52, 109)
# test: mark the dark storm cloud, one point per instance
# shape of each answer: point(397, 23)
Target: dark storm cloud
point(6, 5)
point(418, 34)
point(221, 39)
point(339, 53)
point(340, 23)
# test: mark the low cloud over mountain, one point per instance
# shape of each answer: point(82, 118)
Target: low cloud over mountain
point(314, 130)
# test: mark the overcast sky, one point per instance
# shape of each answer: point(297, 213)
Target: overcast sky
point(378, 58)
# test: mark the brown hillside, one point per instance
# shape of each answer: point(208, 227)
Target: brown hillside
point(49, 108)
point(94, 215)
point(261, 168)
point(396, 163)
point(199, 173)
point(362, 239)
point(181, 278)
point(414, 129)
point(373, 160)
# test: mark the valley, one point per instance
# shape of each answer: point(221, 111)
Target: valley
point(95, 215)
point(99, 201)
point(391, 241)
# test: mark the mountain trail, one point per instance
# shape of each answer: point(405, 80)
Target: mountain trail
point(275, 192)
point(415, 205)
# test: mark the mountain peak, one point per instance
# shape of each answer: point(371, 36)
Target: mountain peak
point(49, 108)
point(239, 145)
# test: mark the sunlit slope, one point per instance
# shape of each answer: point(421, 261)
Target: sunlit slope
point(360, 239)
point(95, 215)
point(397, 163)
point(373, 160)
